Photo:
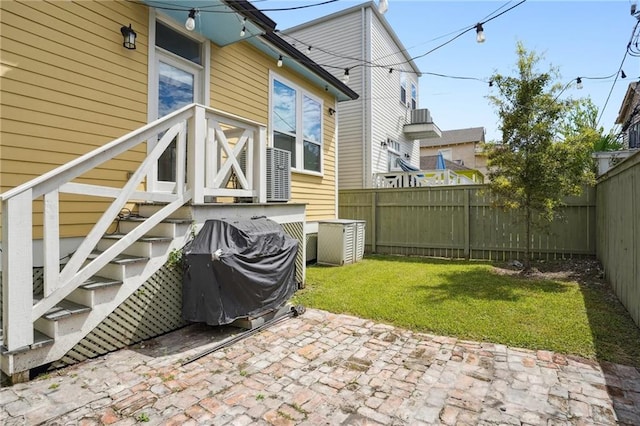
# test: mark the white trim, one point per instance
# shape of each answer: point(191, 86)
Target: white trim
point(300, 94)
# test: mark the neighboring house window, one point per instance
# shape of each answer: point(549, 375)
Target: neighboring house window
point(634, 135)
point(296, 118)
point(414, 96)
point(403, 88)
point(393, 155)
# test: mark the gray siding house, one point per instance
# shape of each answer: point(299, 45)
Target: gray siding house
point(382, 127)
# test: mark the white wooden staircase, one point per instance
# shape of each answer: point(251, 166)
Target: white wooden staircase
point(64, 325)
point(107, 267)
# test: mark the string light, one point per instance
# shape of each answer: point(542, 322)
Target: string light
point(308, 50)
point(280, 61)
point(345, 78)
point(622, 74)
point(244, 28)
point(190, 24)
point(383, 6)
point(579, 83)
point(479, 33)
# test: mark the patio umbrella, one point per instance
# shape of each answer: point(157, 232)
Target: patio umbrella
point(406, 166)
point(440, 165)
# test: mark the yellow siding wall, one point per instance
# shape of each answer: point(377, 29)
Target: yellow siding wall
point(69, 86)
point(240, 85)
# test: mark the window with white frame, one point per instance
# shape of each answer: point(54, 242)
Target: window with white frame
point(414, 96)
point(393, 155)
point(403, 88)
point(296, 124)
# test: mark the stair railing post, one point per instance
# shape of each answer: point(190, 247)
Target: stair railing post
point(17, 271)
point(196, 153)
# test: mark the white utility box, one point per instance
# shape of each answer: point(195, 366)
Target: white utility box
point(340, 241)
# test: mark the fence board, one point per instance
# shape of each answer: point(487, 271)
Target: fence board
point(460, 221)
point(618, 231)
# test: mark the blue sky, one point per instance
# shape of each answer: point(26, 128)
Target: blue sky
point(580, 38)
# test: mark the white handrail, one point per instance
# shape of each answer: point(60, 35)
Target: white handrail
point(193, 120)
point(88, 161)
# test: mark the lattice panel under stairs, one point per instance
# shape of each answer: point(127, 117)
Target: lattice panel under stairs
point(154, 309)
point(296, 230)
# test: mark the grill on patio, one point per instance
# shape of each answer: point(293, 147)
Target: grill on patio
point(237, 269)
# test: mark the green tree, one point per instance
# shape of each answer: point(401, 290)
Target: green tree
point(582, 119)
point(535, 165)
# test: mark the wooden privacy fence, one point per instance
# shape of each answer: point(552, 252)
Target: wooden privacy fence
point(460, 222)
point(618, 231)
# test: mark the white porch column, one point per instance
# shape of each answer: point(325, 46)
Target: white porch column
point(17, 271)
point(196, 154)
point(261, 162)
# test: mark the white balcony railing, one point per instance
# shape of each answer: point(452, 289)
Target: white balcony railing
point(420, 179)
point(209, 144)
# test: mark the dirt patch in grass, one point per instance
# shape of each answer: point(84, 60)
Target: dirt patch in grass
point(583, 271)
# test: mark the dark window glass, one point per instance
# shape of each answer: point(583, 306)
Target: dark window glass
point(287, 143)
point(311, 156)
point(177, 43)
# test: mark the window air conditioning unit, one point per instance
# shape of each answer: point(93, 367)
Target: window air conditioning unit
point(278, 174)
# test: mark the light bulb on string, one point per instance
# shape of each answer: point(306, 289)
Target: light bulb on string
point(345, 78)
point(280, 61)
point(383, 6)
point(479, 33)
point(190, 24)
point(579, 83)
point(244, 28)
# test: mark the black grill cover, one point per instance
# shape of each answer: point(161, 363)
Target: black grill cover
point(253, 272)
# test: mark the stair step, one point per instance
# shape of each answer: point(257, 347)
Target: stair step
point(167, 228)
point(147, 239)
point(64, 309)
point(121, 259)
point(40, 340)
point(167, 220)
point(97, 282)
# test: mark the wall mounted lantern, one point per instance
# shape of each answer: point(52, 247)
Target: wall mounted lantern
point(129, 37)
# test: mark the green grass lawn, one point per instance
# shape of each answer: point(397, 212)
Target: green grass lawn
point(471, 301)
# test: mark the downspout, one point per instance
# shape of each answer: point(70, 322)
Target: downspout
point(367, 89)
point(336, 185)
point(365, 149)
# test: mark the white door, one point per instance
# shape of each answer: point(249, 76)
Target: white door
point(177, 73)
point(178, 85)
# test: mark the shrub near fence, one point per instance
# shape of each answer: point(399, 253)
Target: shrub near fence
point(460, 222)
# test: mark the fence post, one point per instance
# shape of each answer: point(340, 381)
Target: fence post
point(467, 224)
point(374, 219)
